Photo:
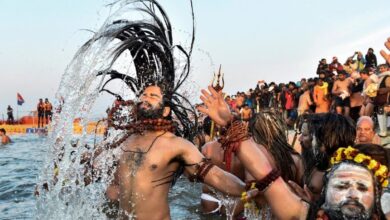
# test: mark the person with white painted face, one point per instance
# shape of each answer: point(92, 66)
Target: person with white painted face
point(345, 195)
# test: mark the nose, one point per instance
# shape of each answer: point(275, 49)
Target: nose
point(352, 193)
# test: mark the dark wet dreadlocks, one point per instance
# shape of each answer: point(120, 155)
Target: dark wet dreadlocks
point(268, 129)
point(151, 47)
point(331, 131)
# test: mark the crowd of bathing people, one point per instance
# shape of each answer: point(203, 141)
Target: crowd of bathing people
point(340, 173)
point(333, 114)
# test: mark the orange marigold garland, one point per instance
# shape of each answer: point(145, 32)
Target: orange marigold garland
point(380, 171)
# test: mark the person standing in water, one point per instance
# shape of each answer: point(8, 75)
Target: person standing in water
point(3, 137)
point(153, 148)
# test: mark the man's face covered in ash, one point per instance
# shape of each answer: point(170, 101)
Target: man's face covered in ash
point(150, 105)
point(312, 153)
point(350, 193)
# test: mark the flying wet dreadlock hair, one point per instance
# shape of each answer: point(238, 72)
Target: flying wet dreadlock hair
point(269, 130)
point(150, 44)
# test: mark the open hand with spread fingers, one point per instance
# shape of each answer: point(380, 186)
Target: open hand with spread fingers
point(385, 55)
point(215, 106)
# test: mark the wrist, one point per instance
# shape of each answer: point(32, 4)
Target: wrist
point(229, 121)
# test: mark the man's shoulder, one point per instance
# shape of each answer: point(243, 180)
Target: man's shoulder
point(173, 139)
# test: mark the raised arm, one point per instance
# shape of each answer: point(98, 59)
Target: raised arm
point(385, 55)
point(202, 170)
point(215, 106)
point(284, 203)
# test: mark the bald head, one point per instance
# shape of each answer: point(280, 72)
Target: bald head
point(365, 130)
point(365, 119)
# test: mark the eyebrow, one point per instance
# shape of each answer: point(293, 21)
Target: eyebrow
point(343, 183)
point(154, 94)
point(362, 184)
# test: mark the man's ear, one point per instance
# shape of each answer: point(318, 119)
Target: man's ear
point(166, 111)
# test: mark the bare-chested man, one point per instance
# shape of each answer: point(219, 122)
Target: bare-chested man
point(382, 98)
point(349, 188)
point(304, 100)
point(246, 114)
point(369, 92)
point(148, 163)
point(342, 90)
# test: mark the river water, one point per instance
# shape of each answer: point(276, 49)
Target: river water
point(22, 161)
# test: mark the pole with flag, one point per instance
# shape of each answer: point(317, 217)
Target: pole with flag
point(20, 102)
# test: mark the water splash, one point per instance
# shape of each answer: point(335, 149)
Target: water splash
point(66, 166)
point(229, 203)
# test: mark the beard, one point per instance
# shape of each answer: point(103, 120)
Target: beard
point(315, 158)
point(149, 112)
point(344, 211)
point(308, 157)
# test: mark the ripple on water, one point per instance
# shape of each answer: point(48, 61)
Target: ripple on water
point(19, 171)
point(21, 162)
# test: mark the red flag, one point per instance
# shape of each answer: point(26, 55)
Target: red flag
point(20, 99)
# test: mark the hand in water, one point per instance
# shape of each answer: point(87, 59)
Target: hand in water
point(304, 193)
point(385, 55)
point(215, 106)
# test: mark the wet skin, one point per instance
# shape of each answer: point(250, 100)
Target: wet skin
point(145, 172)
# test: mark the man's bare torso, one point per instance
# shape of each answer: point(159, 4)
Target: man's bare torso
point(246, 113)
point(144, 174)
point(343, 85)
point(304, 102)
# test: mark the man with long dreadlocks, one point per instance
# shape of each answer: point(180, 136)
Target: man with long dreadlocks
point(149, 154)
point(352, 187)
point(269, 130)
point(321, 135)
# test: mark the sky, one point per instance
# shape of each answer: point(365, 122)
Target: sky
point(253, 40)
